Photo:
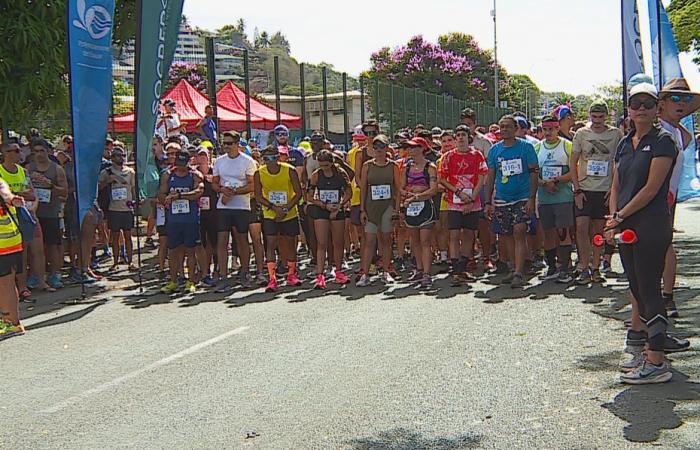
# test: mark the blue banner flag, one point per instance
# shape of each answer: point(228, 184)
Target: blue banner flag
point(664, 52)
point(90, 65)
point(632, 55)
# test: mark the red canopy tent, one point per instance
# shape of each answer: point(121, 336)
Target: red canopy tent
point(232, 97)
point(190, 105)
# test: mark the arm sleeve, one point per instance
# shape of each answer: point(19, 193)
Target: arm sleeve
point(483, 167)
point(664, 147)
point(531, 155)
point(250, 170)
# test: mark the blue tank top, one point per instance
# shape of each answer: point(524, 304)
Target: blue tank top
point(182, 211)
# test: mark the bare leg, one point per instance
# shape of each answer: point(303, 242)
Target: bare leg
point(321, 230)
point(425, 238)
point(255, 230)
point(9, 301)
point(338, 236)
point(222, 253)
point(368, 250)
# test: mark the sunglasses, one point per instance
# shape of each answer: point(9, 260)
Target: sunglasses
point(379, 146)
point(636, 103)
point(461, 134)
point(680, 98)
point(282, 134)
point(371, 133)
point(228, 143)
point(38, 149)
point(270, 158)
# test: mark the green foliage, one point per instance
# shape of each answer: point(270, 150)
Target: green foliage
point(523, 94)
point(685, 18)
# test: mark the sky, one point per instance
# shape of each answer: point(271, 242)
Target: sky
point(571, 46)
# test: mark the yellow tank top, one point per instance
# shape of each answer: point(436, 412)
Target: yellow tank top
point(17, 181)
point(352, 157)
point(277, 189)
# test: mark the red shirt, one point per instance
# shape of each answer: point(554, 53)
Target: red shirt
point(462, 170)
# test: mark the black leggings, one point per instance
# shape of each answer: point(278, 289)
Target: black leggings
point(644, 266)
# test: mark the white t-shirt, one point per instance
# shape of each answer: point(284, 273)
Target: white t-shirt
point(678, 166)
point(172, 122)
point(232, 172)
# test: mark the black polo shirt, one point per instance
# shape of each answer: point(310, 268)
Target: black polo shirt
point(633, 169)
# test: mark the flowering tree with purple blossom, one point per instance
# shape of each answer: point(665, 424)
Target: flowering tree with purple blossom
point(195, 74)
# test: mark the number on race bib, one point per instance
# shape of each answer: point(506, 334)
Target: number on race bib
point(180, 207)
point(204, 203)
point(381, 192)
point(414, 209)
point(597, 168)
point(278, 198)
point(551, 172)
point(329, 196)
point(511, 167)
point(43, 195)
point(119, 193)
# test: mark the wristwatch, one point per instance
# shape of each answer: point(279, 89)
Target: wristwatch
point(617, 217)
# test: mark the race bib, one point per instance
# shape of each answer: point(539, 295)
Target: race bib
point(455, 198)
point(511, 167)
point(119, 193)
point(160, 215)
point(204, 203)
point(180, 207)
point(381, 192)
point(597, 168)
point(414, 209)
point(278, 198)
point(551, 172)
point(43, 195)
point(329, 196)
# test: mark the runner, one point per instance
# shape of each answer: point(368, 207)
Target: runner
point(418, 186)
point(206, 127)
point(10, 262)
point(463, 172)
point(278, 190)
point(121, 182)
point(356, 231)
point(593, 151)
point(379, 188)
point(329, 189)
point(310, 166)
point(51, 188)
point(556, 200)
point(442, 229)
point(513, 174)
point(233, 180)
point(566, 121)
point(208, 220)
point(180, 192)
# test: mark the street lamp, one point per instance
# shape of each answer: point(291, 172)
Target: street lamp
point(495, 56)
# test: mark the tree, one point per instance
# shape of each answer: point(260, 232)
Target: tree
point(685, 18)
point(33, 57)
point(523, 94)
point(195, 74)
point(280, 41)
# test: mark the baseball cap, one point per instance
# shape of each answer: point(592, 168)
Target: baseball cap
point(639, 78)
point(281, 127)
point(202, 149)
point(436, 131)
point(182, 158)
point(644, 88)
point(169, 102)
point(381, 138)
point(417, 142)
point(598, 106)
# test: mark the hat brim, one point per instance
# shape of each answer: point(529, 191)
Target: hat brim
point(692, 107)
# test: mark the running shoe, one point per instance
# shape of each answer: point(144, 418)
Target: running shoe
point(74, 275)
point(399, 263)
point(539, 263)
point(597, 277)
point(675, 345)
point(551, 274)
point(635, 340)
point(54, 280)
point(416, 276)
point(427, 281)
point(605, 267)
point(517, 282)
point(501, 268)
point(170, 288)
point(293, 280)
point(392, 271)
point(387, 278)
point(32, 281)
point(94, 264)
point(345, 266)
point(8, 330)
point(364, 281)
point(208, 281)
point(358, 275)
point(564, 277)
point(88, 279)
point(222, 287)
point(271, 285)
point(471, 265)
point(190, 287)
point(261, 279)
point(488, 265)
point(341, 278)
point(320, 282)
point(633, 363)
point(150, 243)
point(584, 277)
point(648, 373)
point(508, 278)
point(458, 279)
point(671, 308)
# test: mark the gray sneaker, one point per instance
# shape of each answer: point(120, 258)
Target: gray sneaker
point(564, 277)
point(636, 360)
point(517, 281)
point(246, 280)
point(364, 281)
point(508, 278)
point(648, 373)
point(222, 287)
point(584, 277)
point(261, 279)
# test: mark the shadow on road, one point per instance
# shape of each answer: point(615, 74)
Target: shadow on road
point(402, 439)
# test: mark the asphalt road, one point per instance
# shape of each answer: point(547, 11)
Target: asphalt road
point(362, 369)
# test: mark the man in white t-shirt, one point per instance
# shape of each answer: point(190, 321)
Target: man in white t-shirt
point(233, 181)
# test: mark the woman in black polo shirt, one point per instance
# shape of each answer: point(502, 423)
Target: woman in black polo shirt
point(638, 202)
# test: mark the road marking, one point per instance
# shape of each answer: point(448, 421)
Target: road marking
point(117, 381)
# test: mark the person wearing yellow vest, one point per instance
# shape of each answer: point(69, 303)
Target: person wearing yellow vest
point(278, 190)
point(359, 140)
point(10, 262)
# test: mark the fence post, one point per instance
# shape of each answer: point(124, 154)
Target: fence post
point(324, 76)
point(277, 89)
point(302, 87)
point(452, 112)
point(444, 111)
point(391, 110)
point(211, 78)
point(415, 108)
point(425, 109)
point(362, 99)
point(404, 116)
point(376, 99)
point(345, 111)
point(246, 77)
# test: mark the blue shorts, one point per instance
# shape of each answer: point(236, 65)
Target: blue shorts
point(180, 234)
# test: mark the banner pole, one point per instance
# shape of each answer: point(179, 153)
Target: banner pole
point(659, 46)
point(137, 64)
point(624, 62)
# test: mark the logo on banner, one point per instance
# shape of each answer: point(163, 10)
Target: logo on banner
point(96, 20)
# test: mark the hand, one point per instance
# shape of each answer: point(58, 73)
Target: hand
point(18, 201)
point(466, 198)
point(488, 210)
point(333, 209)
point(550, 187)
point(609, 234)
point(530, 207)
point(363, 217)
point(280, 213)
point(334, 214)
point(579, 199)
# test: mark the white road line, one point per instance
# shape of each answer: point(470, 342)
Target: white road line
point(117, 381)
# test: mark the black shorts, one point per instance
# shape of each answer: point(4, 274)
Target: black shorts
point(256, 213)
point(239, 219)
point(423, 216)
point(317, 213)
point(160, 229)
point(10, 263)
point(355, 215)
point(595, 206)
point(457, 220)
point(208, 228)
point(287, 228)
point(120, 220)
point(507, 217)
point(52, 230)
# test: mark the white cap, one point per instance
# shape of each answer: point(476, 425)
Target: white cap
point(644, 88)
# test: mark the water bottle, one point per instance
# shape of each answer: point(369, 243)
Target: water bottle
point(625, 237)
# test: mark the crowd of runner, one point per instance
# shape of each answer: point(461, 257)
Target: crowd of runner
point(515, 199)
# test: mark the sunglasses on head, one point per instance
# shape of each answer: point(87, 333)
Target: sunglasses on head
point(371, 133)
point(680, 98)
point(281, 133)
point(637, 103)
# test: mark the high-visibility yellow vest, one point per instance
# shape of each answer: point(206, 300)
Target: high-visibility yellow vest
point(10, 237)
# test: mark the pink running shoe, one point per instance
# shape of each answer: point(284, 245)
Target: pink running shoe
point(341, 278)
point(293, 280)
point(320, 282)
point(271, 286)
